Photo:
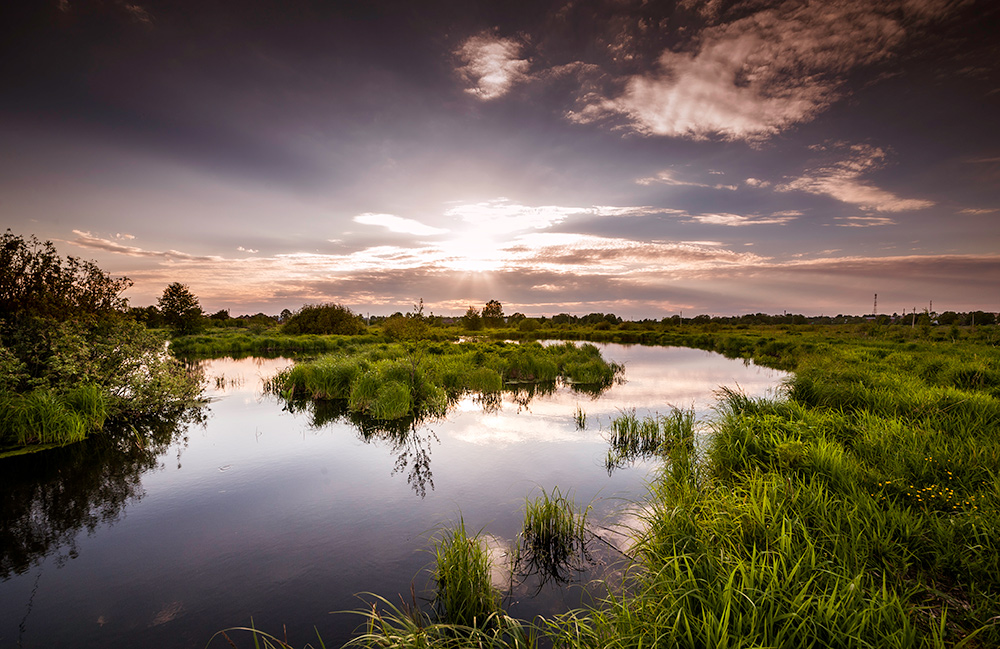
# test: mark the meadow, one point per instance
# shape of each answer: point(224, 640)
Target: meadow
point(857, 509)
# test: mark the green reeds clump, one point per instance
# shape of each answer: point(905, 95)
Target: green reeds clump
point(632, 439)
point(390, 627)
point(464, 591)
point(373, 378)
point(45, 417)
point(553, 541)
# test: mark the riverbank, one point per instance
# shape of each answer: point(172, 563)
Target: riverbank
point(861, 509)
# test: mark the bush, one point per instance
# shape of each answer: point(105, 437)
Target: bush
point(324, 319)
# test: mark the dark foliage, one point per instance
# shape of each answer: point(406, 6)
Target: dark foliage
point(324, 319)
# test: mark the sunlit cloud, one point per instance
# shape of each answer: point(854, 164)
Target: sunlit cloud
point(978, 211)
point(863, 221)
point(87, 240)
point(250, 250)
point(842, 180)
point(756, 182)
point(752, 78)
point(491, 65)
point(397, 224)
point(503, 216)
point(669, 177)
point(737, 220)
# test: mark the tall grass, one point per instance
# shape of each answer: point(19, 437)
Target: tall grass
point(553, 537)
point(464, 593)
point(417, 380)
point(631, 438)
point(45, 417)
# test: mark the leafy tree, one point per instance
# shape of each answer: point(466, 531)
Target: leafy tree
point(36, 282)
point(493, 314)
point(412, 326)
point(472, 320)
point(180, 309)
point(65, 334)
point(324, 319)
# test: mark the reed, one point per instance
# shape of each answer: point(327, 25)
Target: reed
point(464, 593)
point(392, 381)
point(553, 537)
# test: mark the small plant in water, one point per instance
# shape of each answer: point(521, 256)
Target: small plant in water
point(465, 594)
point(581, 418)
point(553, 542)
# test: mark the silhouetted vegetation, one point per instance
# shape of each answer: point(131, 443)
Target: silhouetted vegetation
point(324, 319)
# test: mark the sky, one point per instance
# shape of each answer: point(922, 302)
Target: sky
point(635, 157)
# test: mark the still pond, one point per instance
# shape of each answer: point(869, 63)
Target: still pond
point(286, 518)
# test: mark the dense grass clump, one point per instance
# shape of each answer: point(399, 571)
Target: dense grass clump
point(464, 593)
point(46, 417)
point(553, 538)
point(393, 381)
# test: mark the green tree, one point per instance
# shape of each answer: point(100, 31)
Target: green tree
point(36, 282)
point(180, 309)
point(493, 314)
point(472, 320)
point(72, 353)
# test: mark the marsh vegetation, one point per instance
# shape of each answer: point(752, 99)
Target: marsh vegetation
point(417, 380)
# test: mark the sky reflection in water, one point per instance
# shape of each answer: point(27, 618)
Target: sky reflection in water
point(261, 514)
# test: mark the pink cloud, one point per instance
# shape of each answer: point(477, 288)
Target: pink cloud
point(761, 74)
point(491, 65)
point(842, 180)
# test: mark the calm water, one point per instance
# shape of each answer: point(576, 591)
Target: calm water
point(260, 513)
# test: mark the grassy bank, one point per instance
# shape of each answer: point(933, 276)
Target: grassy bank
point(860, 509)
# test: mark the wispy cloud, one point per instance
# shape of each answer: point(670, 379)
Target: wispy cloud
point(737, 220)
point(979, 210)
point(863, 221)
point(669, 177)
point(87, 240)
point(491, 65)
point(754, 77)
point(398, 224)
point(504, 216)
point(842, 180)
point(250, 250)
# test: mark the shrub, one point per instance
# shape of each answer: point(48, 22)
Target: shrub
point(324, 319)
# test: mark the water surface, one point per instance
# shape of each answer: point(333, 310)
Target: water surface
point(261, 513)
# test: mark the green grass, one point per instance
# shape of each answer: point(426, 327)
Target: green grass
point(46, 417)
point(464, 594)
point(553, 537)
point(859, 509)
point(394, 381)
point(631, 439)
